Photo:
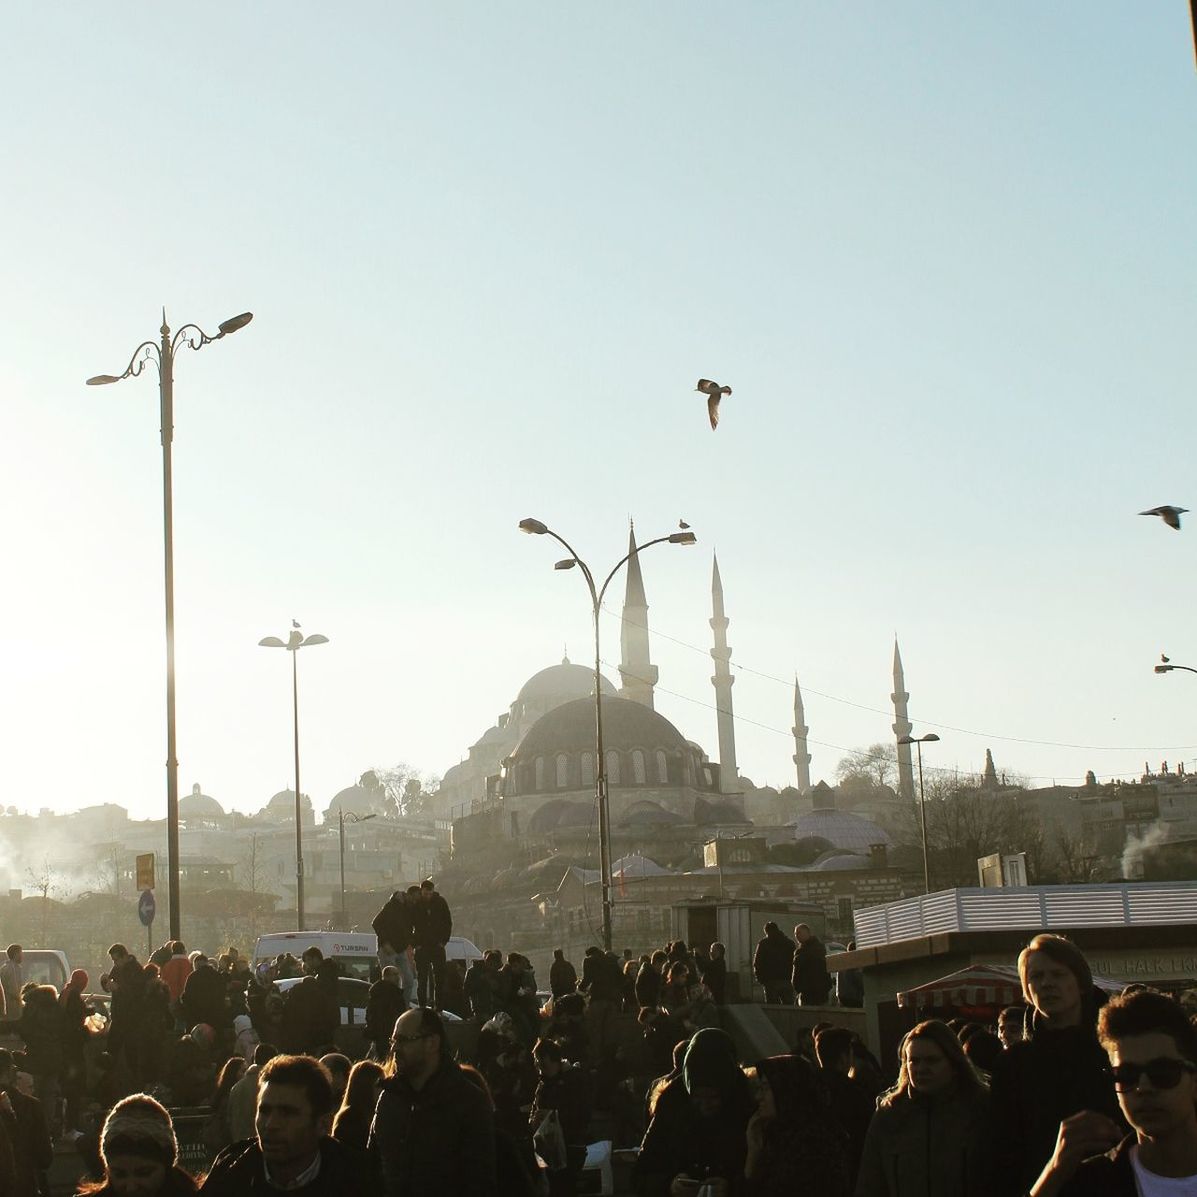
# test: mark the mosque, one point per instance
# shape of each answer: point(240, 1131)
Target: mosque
point(525, 791)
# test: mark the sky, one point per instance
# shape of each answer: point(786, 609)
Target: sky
point(943, 254)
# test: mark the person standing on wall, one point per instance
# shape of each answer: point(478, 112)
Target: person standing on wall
point(432, 929)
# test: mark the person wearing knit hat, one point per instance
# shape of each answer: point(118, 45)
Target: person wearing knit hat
point(140, 1153)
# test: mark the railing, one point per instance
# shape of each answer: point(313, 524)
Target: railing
point(1032, 907)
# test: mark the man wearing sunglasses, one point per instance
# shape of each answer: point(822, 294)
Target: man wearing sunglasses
point(1153, 1068)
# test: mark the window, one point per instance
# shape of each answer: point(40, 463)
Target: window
point(613, 768)
point(588, 768)
point(562, 770)
point(638, 774)
point(662, 768)
point(540, 772)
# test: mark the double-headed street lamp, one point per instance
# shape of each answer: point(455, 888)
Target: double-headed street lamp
point(537, 528)
point(341, 817)
point(294, 642)
point(929, 738)
point(162, 355)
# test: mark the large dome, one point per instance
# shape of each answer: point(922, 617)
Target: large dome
point(197, 805)
point(841, 830)
point(626, 725)
point(560, 683)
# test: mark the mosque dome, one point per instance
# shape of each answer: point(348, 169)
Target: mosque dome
point(198, 805)
point(841, 829)
point(626, 724)
point(836, 860)
point(353, 800)
point(559, 684)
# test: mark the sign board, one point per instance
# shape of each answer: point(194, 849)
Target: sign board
point(989, 871)
point(145, 871)
point(146, 907)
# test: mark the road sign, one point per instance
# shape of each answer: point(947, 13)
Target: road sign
point(146, 907)
point(145, 871)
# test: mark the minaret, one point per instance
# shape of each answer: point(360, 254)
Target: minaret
point(637, 673)
point(801, 756)
point(902, 727)
point(989, 779)
point(722, 681)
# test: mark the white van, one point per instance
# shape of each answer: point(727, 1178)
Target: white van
point(356, 952)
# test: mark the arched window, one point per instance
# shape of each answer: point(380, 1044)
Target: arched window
point(540, 772)
point(662, 768)
point(588, 768)
point(638, 775)
point(562, 770)
point(613, 768)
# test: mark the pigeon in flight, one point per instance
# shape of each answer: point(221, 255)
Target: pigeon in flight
point(1164, 658)
point(714, 392)
point(1170, 515)
point(682, 524)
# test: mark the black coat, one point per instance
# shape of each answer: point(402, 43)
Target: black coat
point(601, 978)
point(311, 1016)
point(647, 986)
point(383, 1007)
point(810, 978)
point(393, 924)
point(432, 922)
point(563, 977)
point(714, 976)
point(773, 959)
point(238, 1172)
point(30, 1138)
point(569, 1094)
point(434, 1141)
point(203, 998)
point(1109, 1175)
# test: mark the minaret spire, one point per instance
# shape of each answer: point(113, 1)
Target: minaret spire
point(637, 673)
point(902, 727)
point(801, 756)
point(722, 681)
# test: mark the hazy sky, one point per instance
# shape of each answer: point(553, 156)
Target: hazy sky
point(944, 254)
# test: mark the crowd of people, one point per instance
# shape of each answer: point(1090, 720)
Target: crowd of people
point(1066, 1096)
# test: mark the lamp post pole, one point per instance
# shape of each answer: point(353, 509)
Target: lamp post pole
point(162, 355)
point(537, 528)
point(918, 743)
point(341, 817)
point(294, 642)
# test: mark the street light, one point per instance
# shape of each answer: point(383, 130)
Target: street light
point(294, 642)
point(929, 738)
point(341, 817)
point(537, 528)
point(1170, 668)
point(162, 355)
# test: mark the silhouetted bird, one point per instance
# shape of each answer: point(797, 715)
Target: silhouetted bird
point(295, 623)
point(714, 392)
point(682, 524)
point(1165, 659)
point(1170, 515)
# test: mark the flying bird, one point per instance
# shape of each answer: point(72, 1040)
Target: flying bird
point(714, 392)
point(1170, 515)
point(682, 524)
point(1164, 658)
point(295, 623)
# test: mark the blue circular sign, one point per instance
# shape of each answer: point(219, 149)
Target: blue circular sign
point(146, 907)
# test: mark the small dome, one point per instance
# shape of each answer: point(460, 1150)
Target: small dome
point(837, 860)
point(560, 683)
point(637, 866)
point(841, 830)
point(197, 805)
point(717, 812)
point(649, 814)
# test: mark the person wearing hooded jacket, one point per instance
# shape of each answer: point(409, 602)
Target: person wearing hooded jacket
point(698, 1129)
point(1059, 1068)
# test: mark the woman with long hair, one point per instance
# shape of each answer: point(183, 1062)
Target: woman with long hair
point(140, 1153)
point(217, 1134)
point(352, 1123)
point(932, 1132)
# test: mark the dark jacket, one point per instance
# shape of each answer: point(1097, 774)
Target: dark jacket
point(601, 978)
point(569, 1094)
point(714, 977)
point(811, 980)
point(203, 999)
point(30, 1136)
point(383, 1007)
point(434, 1141)
point(773, 959)
point(563, 977)
point(432, 922)
point(1109, 1175)
point(393, 924)
point(43, 1029)
point(479, 987)
point(238, 1172)
point(1037, 1084)
point(648, 986)
point(311, 1017)
point(929, 1148)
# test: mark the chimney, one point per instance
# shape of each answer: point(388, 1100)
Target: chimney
point(878, 856)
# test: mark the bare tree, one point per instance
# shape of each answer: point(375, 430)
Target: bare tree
point(406, 792)
point(873, 767)
point(44, 880)
point(250, 878)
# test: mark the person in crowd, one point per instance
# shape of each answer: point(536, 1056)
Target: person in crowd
point(204, 995)
point(648, 980)
point(660, 1084)
point(292, 1149)
point(454, 999)
point(433, 1131)
point(245, 1037)
point(383, 1006)
point(479, 990)
point(1058, 1070)
point(432, 930)
point(338, 1066)
point(627, 986)
point(1010, 1025)
point(810, 979)
point(217, 1131)
point(698, 1133)
point(567, 1027)
point(25, 1122)
point(714, 973)
point(351, 1126)
point(176, 970)
point(42, 1029)
point(849, 984)
point(562, 1092)
point(8, 1163)
point(932, 1132)
point(395, 927)
point(674, 997)
point(128, 1041)
point(139, 1153)
point(984, 1051)
point(12, 980)
point(1152, 1047)
point(311, 1013)
point(794, 1144)
point(75, 1012)
point(563, 977)
point(702, 1011)
point(243, 1097)
point(772, 964)
point(601, 984)
point(852, 1103)
point(517, 1170)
